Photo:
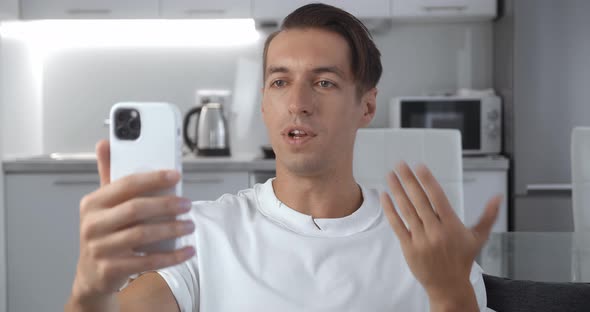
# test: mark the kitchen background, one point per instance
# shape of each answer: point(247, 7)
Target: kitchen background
point(76, 87)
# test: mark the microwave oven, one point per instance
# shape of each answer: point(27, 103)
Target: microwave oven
point(479, 119)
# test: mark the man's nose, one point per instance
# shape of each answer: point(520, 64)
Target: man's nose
point(301, 99)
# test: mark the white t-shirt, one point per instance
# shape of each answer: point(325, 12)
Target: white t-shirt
point(253, 253)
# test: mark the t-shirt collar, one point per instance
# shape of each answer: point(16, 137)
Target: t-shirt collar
point(360, 220)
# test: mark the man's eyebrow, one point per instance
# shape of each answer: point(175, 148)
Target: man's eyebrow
point(318, 70)
point(276, 69)
point(329, 69)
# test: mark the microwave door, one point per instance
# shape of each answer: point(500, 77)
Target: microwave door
point(463, 115)
point(445, 120)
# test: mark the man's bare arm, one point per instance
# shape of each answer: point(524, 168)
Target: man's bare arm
point(149, 292)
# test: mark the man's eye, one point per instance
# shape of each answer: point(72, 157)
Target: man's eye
point(325, 84)
point(278, 83)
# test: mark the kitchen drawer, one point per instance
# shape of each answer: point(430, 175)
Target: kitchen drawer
point(277, 10)
point(8, 11)
point(478, 188)
point(205, 9)
point(93, 9)
point(211, 185)
point(452, 10)
point(43, 226)
point(42, 237)
point(543, 213)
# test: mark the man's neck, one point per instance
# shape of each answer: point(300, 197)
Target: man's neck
point(333, 195)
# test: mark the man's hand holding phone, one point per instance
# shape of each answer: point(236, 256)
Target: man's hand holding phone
point(113, 226)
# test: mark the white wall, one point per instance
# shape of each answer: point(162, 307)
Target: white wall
point(21, 123)
point(79, 86)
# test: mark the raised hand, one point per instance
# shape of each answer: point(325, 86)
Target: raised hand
point(438, 248)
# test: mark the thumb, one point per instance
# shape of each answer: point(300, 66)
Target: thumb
point(483, 228)
point(103, 158)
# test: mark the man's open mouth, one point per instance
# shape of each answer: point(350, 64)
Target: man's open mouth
point(296, 134)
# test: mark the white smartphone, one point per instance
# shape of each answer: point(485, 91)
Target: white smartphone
point(146, 136)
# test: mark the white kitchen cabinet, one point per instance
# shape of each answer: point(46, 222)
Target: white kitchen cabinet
point(211, 185)
point(8, 11)
point(42, 230)
point(91, 9)
point(277, 10)
point(542, 212)
point(2, 211)
point(42, 237)
point(205, 9)
point(443, 10)
point(478, 188)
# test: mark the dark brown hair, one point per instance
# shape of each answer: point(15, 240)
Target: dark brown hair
point(365, 57)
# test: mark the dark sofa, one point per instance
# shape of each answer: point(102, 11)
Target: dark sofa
point(506, 295)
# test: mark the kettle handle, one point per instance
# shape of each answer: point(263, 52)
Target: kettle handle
point(187, 140)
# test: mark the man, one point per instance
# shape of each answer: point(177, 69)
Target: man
point(311, 239)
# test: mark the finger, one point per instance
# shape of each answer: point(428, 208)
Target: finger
point(404, 204)
point(394, 219)
point(137, 210)
point(103, 158)
point(484, 226)
point(437, 195)
point(132, 238)
point(136, 185)
point(138, 264)
point(417, 195)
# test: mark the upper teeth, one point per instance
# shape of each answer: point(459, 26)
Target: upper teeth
point(297, 132)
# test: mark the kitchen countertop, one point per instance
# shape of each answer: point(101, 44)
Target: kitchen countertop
point(47, 164)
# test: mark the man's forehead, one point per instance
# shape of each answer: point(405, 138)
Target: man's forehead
point(312, 50)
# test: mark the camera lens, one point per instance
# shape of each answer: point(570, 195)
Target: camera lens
point(123, 132)
point(127, 124)
point(134, 124)
point(122, 115)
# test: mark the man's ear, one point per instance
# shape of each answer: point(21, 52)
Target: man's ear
point(369, 106)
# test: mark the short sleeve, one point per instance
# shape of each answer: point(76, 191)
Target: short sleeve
point(184, 283)
point(183, 278)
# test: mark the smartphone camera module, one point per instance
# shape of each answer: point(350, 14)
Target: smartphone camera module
point(127, 124)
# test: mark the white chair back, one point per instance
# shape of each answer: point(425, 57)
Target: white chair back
point(378, 150)
point(580, 152)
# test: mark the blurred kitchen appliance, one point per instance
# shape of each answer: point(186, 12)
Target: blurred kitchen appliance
point(210, 132)
point(478, 118)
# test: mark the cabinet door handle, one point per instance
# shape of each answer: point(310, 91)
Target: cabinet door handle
point(203, 181)
point(548, 188)
point(432, 8)
point(88, 11)
point(205, 12)
point(469, 180)
point(76, 182)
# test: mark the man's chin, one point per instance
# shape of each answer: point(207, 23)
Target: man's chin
point(300, 164)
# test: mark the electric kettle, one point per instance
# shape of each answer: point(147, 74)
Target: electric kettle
point(211, 131)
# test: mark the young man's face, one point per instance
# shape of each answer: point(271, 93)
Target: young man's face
point(310, 103)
